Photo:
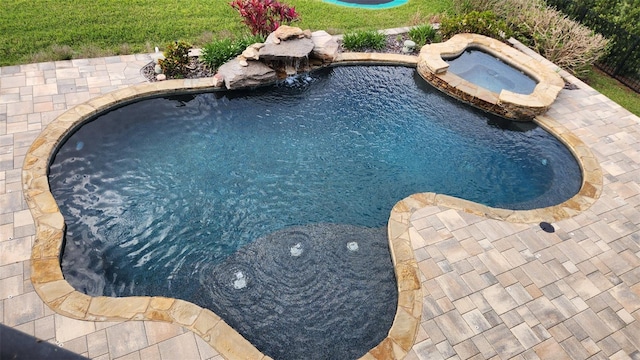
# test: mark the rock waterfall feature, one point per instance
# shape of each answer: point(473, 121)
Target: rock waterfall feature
point(287, 51)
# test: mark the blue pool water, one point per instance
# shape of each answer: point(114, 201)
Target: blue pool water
point(491, 73)
point(193, 196)
point(368, 4)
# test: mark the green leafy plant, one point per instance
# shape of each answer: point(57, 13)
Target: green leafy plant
point(424, 34)
point(245, 41)
point(361, 40)
point(554, 35)
point(484, 23)
point(176, 59)
point(220, 51)
point(264, 16)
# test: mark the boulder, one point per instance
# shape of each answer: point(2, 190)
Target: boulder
point(286, 32)
point(408, 47)
point(195, 52)
point(157, 56)
point(242, 61)
point(252, 51)
point(292, 49)
point(254, 74)
point(325, 47)
point(218, 80)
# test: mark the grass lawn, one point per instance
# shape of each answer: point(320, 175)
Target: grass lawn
point(614, 90)
point(42, 30)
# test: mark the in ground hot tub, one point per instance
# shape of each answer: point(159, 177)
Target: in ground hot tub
point(490, 75)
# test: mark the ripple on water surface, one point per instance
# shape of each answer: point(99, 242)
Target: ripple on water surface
point(161, 197)
point(318, 297)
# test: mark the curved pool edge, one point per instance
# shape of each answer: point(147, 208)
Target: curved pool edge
point(59, 295)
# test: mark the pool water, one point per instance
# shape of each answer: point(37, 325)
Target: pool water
point(327, 291)
point(490, 72)
point(175, 196)
point(368, 4)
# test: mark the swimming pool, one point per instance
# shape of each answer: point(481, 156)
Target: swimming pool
point(344, 144)
point(368, 4)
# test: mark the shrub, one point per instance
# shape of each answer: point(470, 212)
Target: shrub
point(555, 36)
point(423, 34)
point(361, 40)
point(484, 23)
point(220, 51)
point(565, 42)
point(619, 21)
point(264, 16)
point(176, 58)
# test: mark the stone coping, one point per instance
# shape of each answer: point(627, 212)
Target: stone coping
point(433, 68)
point(59, 295)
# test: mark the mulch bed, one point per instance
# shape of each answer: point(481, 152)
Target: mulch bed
point(198, 69)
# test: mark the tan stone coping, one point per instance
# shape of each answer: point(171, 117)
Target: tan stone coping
point(59, 295)
point(358, 58)
point(512, 105)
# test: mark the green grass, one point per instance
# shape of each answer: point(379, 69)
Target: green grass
point(37, 30)
point(614, 90)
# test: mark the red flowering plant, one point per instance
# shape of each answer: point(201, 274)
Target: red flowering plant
point(264, 16)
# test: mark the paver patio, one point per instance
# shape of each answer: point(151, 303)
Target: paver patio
point(491, 289)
